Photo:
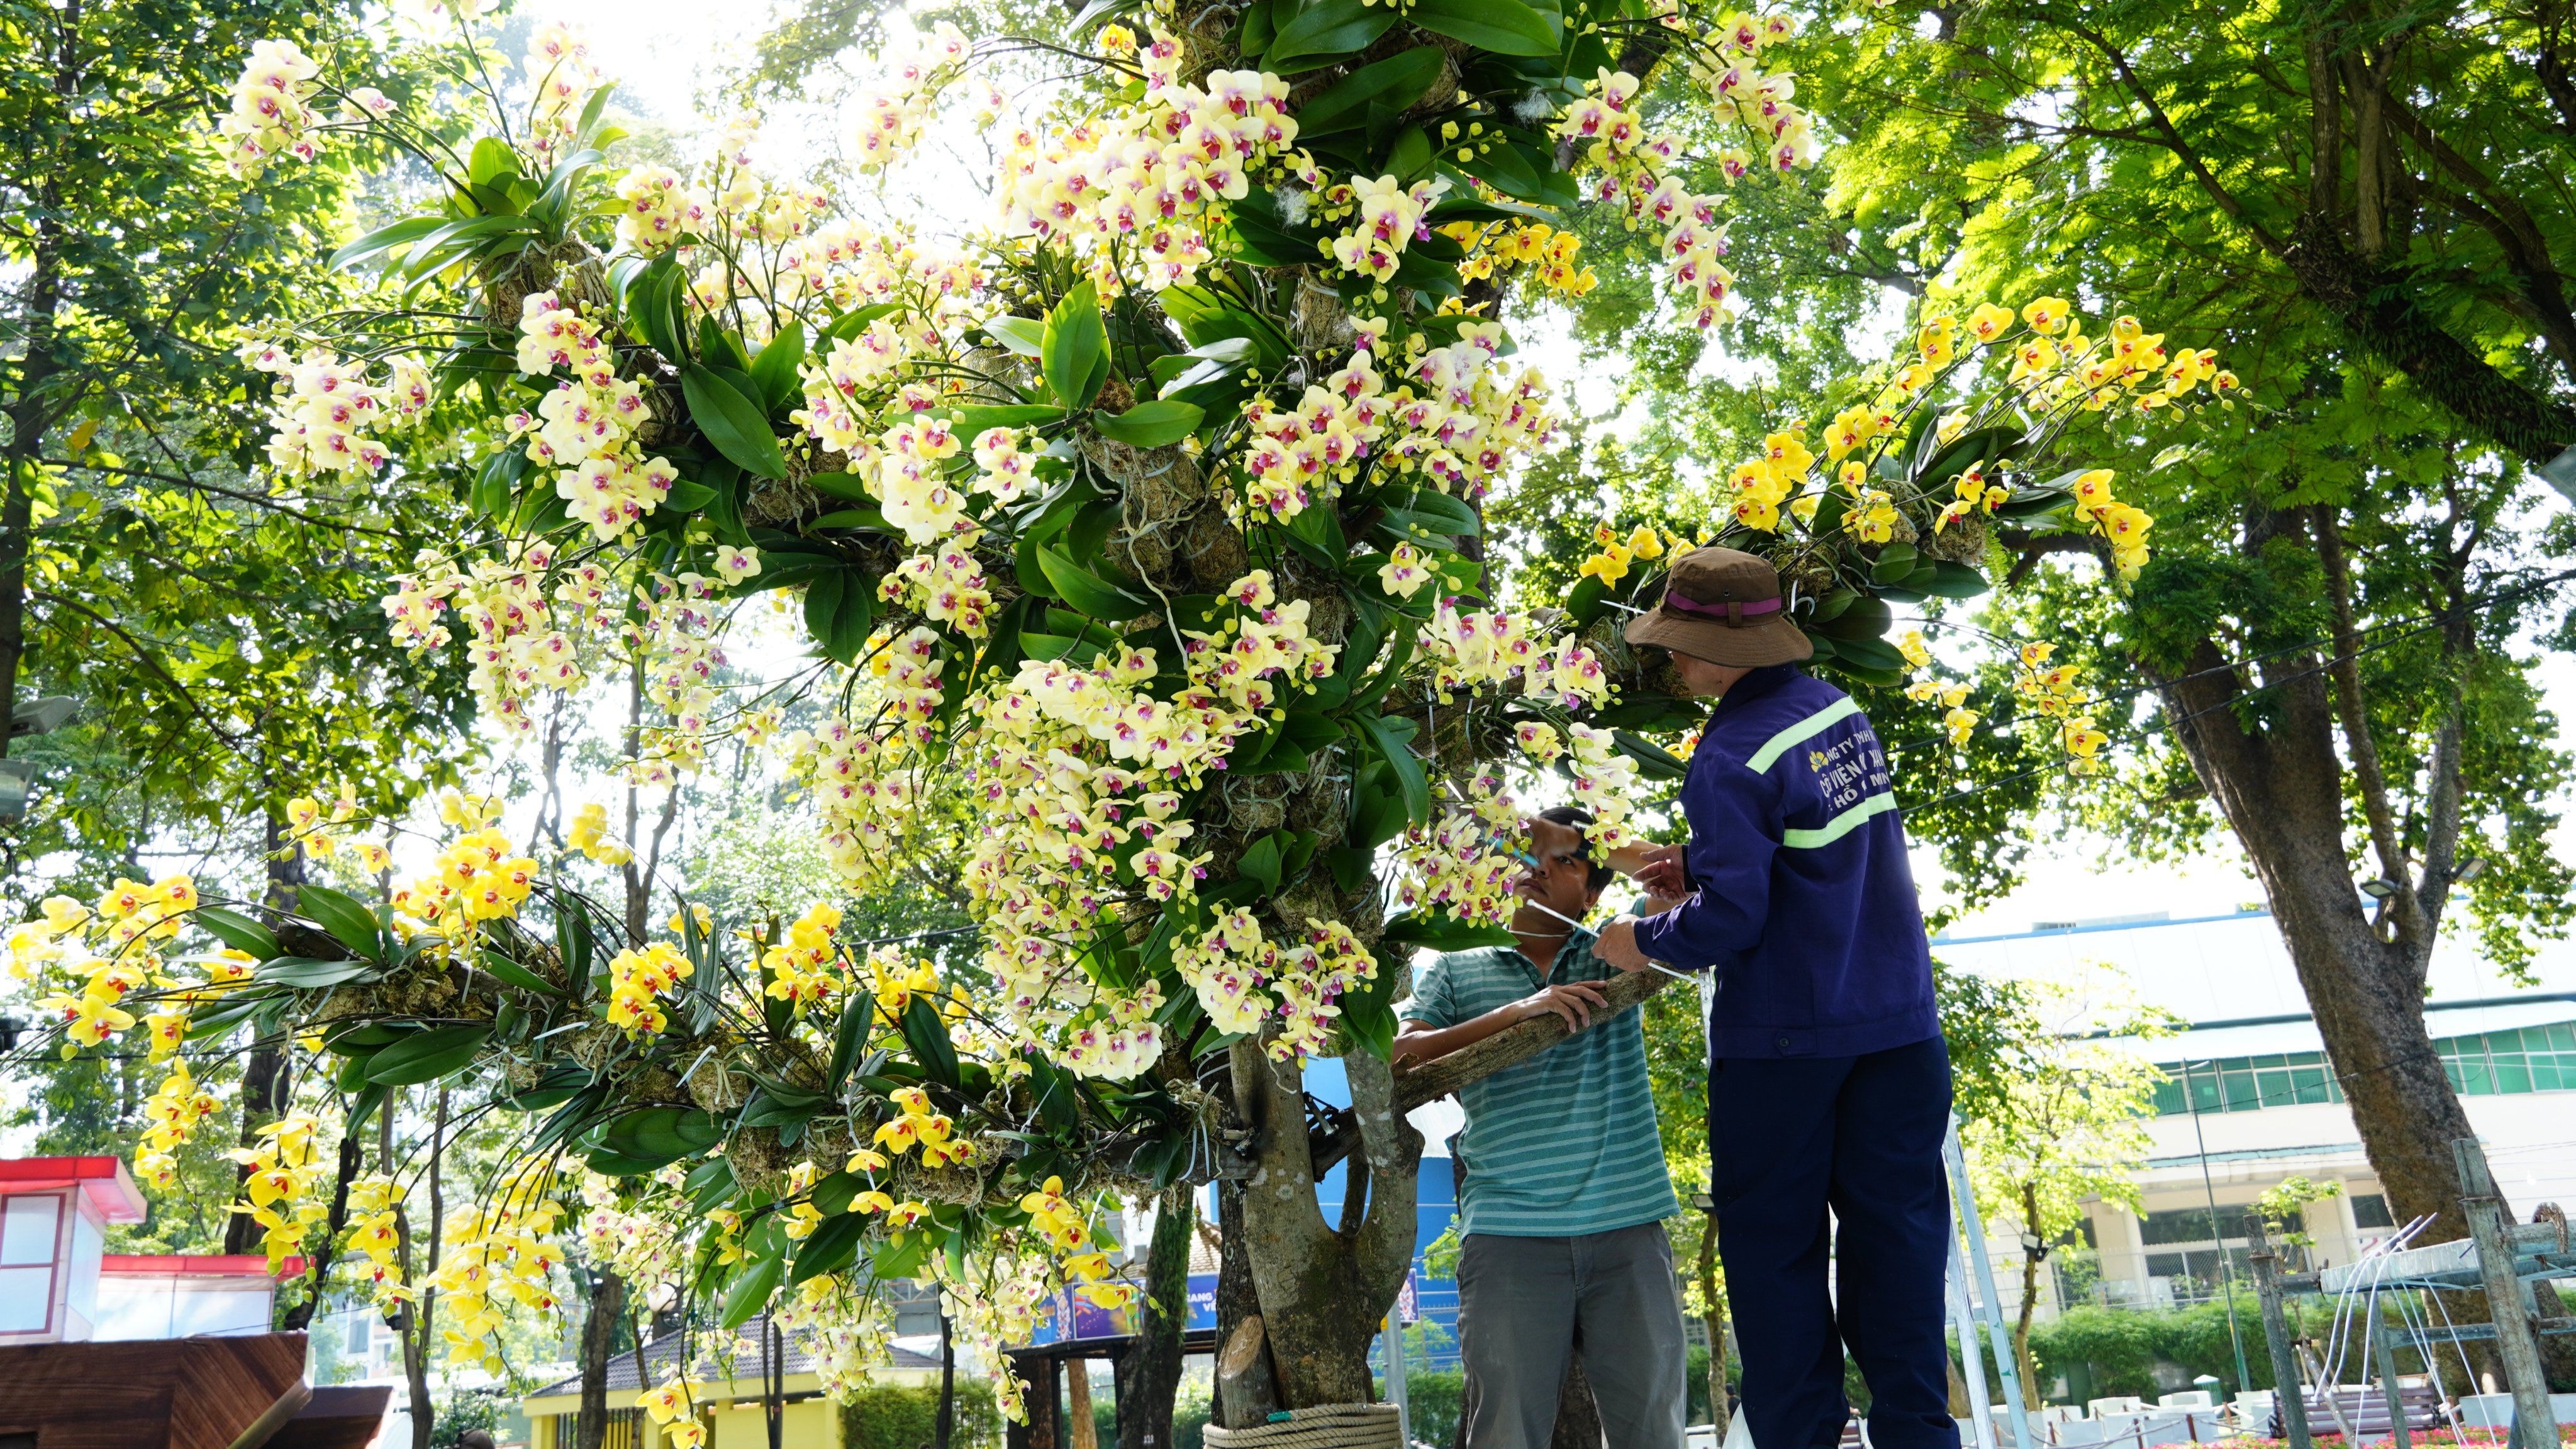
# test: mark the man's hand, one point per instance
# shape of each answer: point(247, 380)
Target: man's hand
point(1660, 871)
point(1574, 1000)
point(1618, 945)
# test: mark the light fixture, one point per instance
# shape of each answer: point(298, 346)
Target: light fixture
point(2560, 473)
point(2379, 888)
point(2468, 869)
point(43, 717)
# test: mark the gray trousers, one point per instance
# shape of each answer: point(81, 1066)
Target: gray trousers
point(1524, 1304)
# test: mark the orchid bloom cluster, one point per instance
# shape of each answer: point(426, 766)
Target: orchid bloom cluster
point(284, 1169)
point(674, 1411)
point(803, 966)
point(328, 418)
point(2053, 368)
point(1148, 177)
point(637, 979)
point(644, 1248)
point(585, 427)
point(865, 381)
point(1457, 417)
point(272, 110)
point(922, 63)
point(1632, 165)
point(1614, 551)
point(323, 836)
point(1460, 863)
point(529, 621)
point(1386, 215)
point(2057, 692)
point(1243, 978)
point(375, 1234)
point(113, 949)
point(1502, 248)
point(561, 75)
point(1498, 647)
point(498, 1253)
point(173, 1112)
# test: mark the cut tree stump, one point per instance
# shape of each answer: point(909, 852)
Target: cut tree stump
point(1247, 1393)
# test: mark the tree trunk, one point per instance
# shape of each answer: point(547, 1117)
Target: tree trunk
point(945, 1430)
point(1236, 1299)
point(39, 365)
point(1578, 1418)
point(598, 1343)
point(2282, 793)
point(1149, 1377)
point(2030, 1261)
point(1323, 1291)
point(1715, 1321)
point(267, 1087)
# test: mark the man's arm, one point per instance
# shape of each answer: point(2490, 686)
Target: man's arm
point(1735, 830)
point(1420, 1041)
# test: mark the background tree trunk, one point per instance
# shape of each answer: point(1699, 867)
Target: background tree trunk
point(1578, 1418)
point(1715, 1321)
point(1150, 1374)
point(598, 1342)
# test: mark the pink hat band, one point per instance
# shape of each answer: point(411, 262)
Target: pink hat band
point(1732, 612)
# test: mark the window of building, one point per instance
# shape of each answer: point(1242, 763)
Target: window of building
point(624, 1429)
point(30, 1225)
point(2370, 1210)
point(2526, 1059)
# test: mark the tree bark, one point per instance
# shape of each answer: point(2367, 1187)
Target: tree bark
point(2030, 1261)
point(1578, 1417)
point(2281, 792)
point(598, 1344)
point(267, 1087)
point(1323, 1291)
point(39, 365)
point(1236, 1298)
point(1714, 1320)
point(1149, 1376)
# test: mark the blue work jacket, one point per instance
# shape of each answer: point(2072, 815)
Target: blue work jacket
point(1801, 898)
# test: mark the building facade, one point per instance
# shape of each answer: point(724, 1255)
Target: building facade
point(2250, 1101)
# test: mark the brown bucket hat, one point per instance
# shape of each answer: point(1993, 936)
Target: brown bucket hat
point(1724, 606)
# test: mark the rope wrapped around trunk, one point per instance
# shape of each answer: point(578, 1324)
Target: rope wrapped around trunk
point(1325, 1426)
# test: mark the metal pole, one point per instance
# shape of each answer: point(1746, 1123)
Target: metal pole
point(2217, 1230)
point(1395, 1376)
point(2534, 1426)
point(2388, 1388)
point(1964, 1314)
point(2276, 1336)
point(1974, 1233)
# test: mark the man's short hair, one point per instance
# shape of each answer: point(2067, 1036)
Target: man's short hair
point(1579, 820)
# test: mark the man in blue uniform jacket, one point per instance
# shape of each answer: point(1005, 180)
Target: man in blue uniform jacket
point(1828, 1086)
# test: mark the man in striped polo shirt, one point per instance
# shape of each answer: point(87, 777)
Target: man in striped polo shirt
point(1828, 1085)
point(1564, 1193)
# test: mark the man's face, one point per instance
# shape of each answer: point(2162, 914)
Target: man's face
point(1704, 679)
point(1560, 880)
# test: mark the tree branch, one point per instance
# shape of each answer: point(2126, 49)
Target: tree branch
point(1509, 1047)
point(2349, 706)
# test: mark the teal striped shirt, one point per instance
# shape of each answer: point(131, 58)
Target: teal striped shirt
point(1562, 1144)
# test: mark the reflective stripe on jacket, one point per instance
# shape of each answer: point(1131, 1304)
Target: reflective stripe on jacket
point(1801, 898)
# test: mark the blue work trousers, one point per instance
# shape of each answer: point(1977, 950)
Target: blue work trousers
point(1790, 1138)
